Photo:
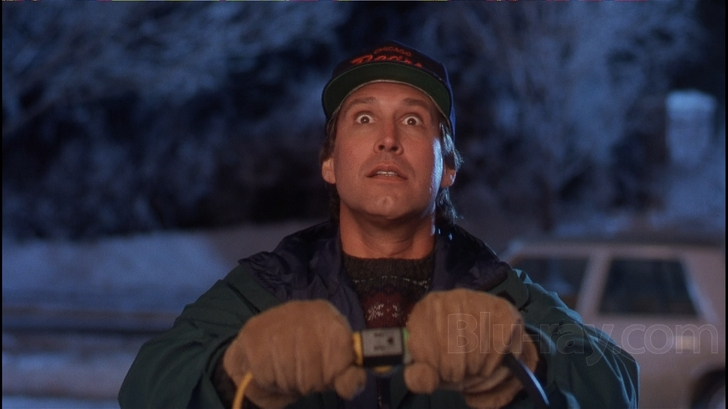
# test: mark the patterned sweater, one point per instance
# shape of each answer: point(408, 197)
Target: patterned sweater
point(388, 288)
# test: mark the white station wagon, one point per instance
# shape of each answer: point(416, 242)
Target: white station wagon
point(663, 301)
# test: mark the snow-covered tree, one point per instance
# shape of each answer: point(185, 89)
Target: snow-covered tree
point(119, 118)
point(556, 87)
point(127, 117)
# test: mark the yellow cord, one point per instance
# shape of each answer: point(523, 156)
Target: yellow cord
point(240, 394)
point(359, 360)
point(358, 352)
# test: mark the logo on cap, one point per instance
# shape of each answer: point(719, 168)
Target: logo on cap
point(385, 54)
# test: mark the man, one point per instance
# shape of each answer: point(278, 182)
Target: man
point(391, 256)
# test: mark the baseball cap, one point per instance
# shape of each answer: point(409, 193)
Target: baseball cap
point(395, 62)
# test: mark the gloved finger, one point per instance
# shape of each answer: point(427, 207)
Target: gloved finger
point(350, 382)
point(334, 347)
point(421, 378)
point(500, 328)
point(299, 346)
point(423, 326)
point(529, 354)
point(477, 384)
point(268, 399)
point(235, 364)
point(444, 336)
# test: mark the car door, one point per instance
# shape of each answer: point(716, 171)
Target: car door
point(643, 300)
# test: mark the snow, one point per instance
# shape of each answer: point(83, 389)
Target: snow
point(150, 273)
point(180, 262)
point(27, 402)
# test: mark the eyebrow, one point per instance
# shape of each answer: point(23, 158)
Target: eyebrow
point(418, 102)
point(356, 101)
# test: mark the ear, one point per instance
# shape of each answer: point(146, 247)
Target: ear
point(327, 170)
point(448, 177)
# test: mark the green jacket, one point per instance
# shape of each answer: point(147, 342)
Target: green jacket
point(580, 366)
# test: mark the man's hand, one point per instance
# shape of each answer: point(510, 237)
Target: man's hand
point(457, 340)
point(292, 350)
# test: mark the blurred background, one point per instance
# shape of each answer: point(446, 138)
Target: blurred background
point(148, 146)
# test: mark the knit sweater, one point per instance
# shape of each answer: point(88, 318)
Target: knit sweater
point(388, 288)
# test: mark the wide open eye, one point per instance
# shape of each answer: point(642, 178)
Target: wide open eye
point(363, 119)
point(412, 120)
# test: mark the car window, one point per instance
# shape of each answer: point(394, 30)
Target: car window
point(562, 275)
point(646, 286)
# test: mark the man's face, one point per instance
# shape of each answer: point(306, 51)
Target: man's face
point(387, 159)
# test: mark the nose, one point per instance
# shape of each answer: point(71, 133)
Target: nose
point(389, 140)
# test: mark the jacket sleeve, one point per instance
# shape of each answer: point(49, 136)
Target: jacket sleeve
point(175, 369)
point(581, 366)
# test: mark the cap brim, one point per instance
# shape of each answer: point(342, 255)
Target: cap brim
point(340, 87)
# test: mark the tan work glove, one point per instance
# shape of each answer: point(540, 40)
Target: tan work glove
point(292, 350)
point(457, 340)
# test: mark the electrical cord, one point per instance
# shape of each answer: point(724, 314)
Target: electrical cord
point(382, 349)
point(528, 380)
point(240, 393)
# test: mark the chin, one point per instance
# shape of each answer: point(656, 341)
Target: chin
point(389, 209)
point(394, 217)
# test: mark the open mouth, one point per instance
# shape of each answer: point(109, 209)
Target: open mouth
point(386, 173)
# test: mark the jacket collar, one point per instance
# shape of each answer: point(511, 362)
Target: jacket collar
point(308, 263)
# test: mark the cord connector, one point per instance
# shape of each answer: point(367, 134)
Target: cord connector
point(383, 348)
